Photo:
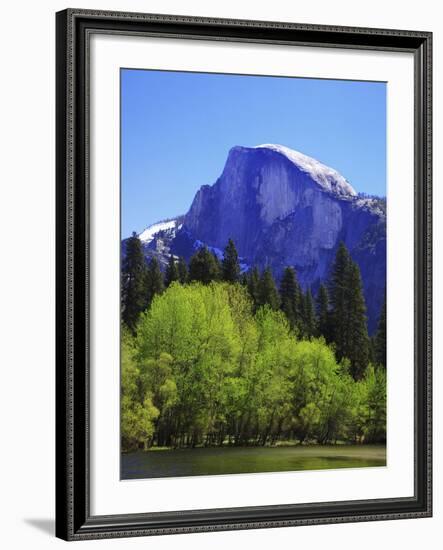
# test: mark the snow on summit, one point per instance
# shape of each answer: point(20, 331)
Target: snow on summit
point(148, 234)
point(328, 178)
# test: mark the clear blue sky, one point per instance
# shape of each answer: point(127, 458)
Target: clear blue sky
point(177, 129)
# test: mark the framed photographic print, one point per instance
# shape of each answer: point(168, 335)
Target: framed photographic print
point(243, 274)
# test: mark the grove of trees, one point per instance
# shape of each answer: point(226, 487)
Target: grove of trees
point(211, 356)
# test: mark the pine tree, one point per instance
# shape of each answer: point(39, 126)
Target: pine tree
point(204, 266)
point(218, 267)
point(230, 265)
point(155, 284)
point(253, 284)
point(380, 337)
point(134, 291)
point(267, 290)
point(171, 273)
point(338, 298)
point(289, 295)
point(357, 342)
point(182, 269)
point(244, 279)
point(323, 315)
point(309, 318)
point(348, 314)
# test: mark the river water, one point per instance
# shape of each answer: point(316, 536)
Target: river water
point(234, 460)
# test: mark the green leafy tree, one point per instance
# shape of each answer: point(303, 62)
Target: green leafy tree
point(380, 338)
point(204, 369)
point(157, 375)
point(369, 407)
point(230, 267)
point(134, 282)
point(272, 386)
point(203, 266)
point(319, 408)
point(267, 290)
point(182, 268)
point(195, 326)
point(375, 425)
point(137, 410)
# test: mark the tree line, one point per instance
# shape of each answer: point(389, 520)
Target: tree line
point(337, 313)
point(211, 356)
point(205, 369)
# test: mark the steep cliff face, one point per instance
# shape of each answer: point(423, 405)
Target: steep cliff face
point(283, 208)
point(262, 186)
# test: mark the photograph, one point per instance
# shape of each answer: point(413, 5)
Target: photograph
point(243, 274)
point(253, 274)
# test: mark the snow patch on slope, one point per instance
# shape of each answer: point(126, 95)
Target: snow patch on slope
point(149, 233)
point(328, 178)
point(371, 204)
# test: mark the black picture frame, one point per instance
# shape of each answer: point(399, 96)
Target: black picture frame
point(73, 518)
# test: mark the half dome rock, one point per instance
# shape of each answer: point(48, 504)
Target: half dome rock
point(262, 186)
point(283, 208)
